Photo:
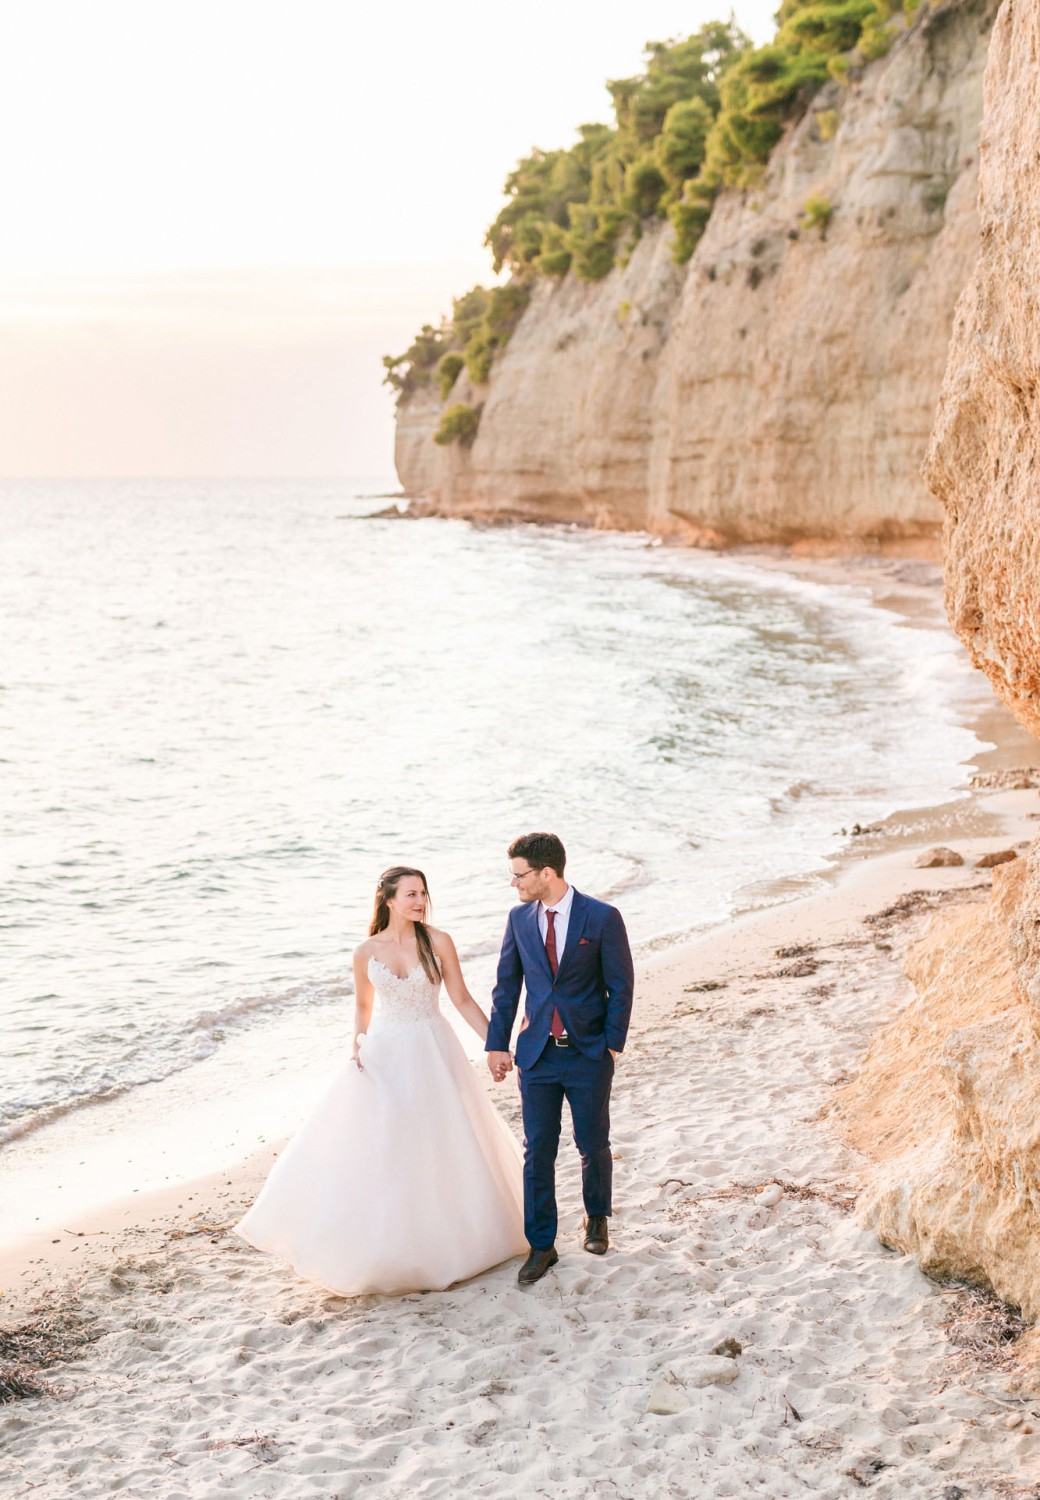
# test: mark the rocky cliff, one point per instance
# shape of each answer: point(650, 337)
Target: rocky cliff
point(946, 1102)
point(948, 1098)
point(782, 384)
point(983, 461)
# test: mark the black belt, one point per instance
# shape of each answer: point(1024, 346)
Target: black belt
point(560, 1041)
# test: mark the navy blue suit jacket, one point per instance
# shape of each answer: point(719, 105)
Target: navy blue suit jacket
point(592, 989)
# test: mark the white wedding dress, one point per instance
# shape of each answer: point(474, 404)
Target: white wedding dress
point(405, 1178)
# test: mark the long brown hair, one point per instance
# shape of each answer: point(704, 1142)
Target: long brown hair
point(386, 889)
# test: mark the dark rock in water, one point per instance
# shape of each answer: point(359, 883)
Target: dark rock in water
point(388, 513)
point(995, 857)
point(932, 859)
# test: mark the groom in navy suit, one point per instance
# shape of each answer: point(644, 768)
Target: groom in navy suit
point(571, 954)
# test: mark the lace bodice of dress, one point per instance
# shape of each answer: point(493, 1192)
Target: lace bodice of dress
point(403, 1002)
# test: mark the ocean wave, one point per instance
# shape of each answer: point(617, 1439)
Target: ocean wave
point(157, 1055)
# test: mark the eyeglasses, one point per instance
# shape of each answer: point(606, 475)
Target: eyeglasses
point(516, 879)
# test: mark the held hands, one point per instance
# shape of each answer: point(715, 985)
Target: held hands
point(500, 1064)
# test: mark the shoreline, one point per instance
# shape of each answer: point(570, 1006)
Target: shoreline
point(91, 1144)
point(917, 543)
point(862, 881)
point(214, 1369)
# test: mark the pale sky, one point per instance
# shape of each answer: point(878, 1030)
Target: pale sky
point(218, 216)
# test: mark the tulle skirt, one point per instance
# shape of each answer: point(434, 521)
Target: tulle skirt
point(404, 1178)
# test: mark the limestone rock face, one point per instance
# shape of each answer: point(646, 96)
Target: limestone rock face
point(567, 417)
point(983, 461)
point(946, 1102)
point(782, 384)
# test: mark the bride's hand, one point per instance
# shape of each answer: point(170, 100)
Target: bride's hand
point(355, 1055)
point(500, 1064)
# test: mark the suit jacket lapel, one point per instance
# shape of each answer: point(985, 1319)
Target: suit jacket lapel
point(575, 928)
point(534, 938)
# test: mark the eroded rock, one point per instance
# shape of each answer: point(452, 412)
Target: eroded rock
point(946, 1100)
point(995, 857)
point(982, 463)
point(934, 859)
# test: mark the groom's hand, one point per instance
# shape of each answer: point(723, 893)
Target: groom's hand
point(500, 1064)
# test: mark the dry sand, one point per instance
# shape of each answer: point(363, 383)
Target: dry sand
point(216, 1372)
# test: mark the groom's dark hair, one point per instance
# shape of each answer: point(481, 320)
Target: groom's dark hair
point(541, 850)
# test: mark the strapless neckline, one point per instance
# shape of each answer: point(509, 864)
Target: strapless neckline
point(401, 978)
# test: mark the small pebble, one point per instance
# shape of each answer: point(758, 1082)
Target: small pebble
point(1014, 1420)
point(666, 1399)
point(712, 1369)
point(769, 1196)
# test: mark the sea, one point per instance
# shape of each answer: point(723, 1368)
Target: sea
point(226, 707)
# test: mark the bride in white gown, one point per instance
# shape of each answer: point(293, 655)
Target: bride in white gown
point(404, 1178)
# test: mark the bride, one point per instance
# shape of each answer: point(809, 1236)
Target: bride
point(404, 1178)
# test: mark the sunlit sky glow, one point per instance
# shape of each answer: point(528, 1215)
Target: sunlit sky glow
point(218, 216)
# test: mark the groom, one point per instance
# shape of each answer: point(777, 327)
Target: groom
point(571, 954)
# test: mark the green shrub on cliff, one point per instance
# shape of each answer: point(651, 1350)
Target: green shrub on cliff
point(408, 372)
point(481, 324)
point(769, 87)
point(683, 140)
point(502, 309)
point(689, 217)
point(449, 367)
point(458, 425)
point(644, 187)
point(555, 257)
point(816, 213)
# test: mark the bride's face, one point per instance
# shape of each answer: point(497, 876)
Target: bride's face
point(409, 900)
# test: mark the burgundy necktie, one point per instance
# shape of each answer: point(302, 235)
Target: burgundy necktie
point(556, 1028)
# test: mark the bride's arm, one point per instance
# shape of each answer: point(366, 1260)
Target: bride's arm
point(363, 997)
point(458, 994)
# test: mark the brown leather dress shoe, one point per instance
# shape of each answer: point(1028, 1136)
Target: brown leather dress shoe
point(597, 1240)
point(536, 1265)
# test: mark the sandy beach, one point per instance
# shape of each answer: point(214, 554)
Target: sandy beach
point(207, 1369)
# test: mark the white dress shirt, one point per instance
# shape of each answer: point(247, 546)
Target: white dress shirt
point(563, 917)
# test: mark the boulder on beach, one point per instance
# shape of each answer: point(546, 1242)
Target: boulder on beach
point(932, 859)
point(995, 857)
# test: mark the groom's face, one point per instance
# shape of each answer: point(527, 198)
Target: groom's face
point(531, 885)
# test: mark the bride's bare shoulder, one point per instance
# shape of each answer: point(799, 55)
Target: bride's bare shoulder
point(441, 940)
point(365, 950)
